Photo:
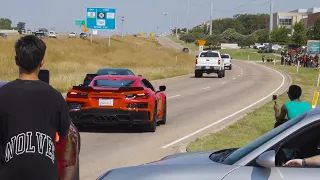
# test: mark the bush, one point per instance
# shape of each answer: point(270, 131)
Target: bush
point(260, 51)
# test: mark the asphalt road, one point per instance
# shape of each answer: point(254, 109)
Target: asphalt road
point(195, 106)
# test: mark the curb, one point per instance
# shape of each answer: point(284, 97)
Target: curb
point(183, 146)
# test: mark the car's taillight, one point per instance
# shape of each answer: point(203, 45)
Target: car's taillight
point(196, 61)
point(77, 95)
point(218, 61)
point(137, 96)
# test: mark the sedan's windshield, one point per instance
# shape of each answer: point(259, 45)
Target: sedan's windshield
point(240, 153)
point(224, 56)
point(113, 83)
point(209, 54)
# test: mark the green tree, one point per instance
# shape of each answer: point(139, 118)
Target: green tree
point(246, 40)
point(21, 25)
point(197, 30)
point(252, 22)
point(220, 25)
point(299, 36)
point(314, 32)
point(43, 29)
point(280, 35)
point(261, 35)
point(5, 23)
point(231, 36)
point(213, 40)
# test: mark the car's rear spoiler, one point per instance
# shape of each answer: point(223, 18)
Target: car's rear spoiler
point(91, 76)
point(121, 89)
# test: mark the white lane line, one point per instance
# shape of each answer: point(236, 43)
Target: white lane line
point(206, 88)
point(173, 96)
point(223, 82)
point(231, 115)
point(233, 78)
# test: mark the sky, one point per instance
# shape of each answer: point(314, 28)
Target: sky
point(139, 15)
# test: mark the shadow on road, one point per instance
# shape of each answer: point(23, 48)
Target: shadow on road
point(108, 129)
point(214, 77)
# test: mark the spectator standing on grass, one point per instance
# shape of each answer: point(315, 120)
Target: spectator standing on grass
point(292, 108)
point(305, 61)
point(31, 112)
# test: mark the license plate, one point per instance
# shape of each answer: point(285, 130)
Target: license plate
point(105, 102)
point(207, 67)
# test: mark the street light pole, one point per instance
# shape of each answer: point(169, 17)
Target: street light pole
point(177, 26)
point(188, 16)
point(122, 19)
point(211, 17)
point(271, 16)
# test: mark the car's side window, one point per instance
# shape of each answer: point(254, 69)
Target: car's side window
point(148, 84)
point(303, 143)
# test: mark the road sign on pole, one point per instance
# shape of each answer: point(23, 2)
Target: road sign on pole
point(101, 18)
point(80, 22)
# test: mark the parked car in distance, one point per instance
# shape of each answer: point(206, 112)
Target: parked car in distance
point(72, 35)
point(186, 50)
point(83, 35)
point(3, 35)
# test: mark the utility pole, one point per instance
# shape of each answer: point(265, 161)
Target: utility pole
point(188, 16)
point(271, 16)
point(211, 17)
point(122, 19)
point(177, 26)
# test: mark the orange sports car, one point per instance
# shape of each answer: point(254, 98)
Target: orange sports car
point(115, 100)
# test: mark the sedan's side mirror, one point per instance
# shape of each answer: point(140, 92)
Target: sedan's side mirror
point(197, 56)
point(231, 58)
point(162, 88)
point(267, 159)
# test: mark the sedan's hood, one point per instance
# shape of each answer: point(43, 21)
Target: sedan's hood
point(187, 166)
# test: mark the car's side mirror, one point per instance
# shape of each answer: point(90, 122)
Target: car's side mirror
point(267, 159)
point(197, 56)
point(44, 75)
point(140, 75)
point(162, 88)
point(231, 58)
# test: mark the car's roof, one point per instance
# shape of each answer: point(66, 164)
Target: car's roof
point(120, 77)
point(114, 69)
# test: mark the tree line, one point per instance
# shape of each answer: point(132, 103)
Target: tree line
point(6, 24)
point(247, 29)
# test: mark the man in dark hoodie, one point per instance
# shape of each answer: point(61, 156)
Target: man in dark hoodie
point(31, 112)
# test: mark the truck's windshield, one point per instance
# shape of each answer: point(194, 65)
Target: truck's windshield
point(209, 54)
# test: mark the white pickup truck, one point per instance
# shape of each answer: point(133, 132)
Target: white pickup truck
point(227, 60)
point(209, 62)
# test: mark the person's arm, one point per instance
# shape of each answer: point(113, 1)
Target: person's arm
point(312, 161)
point(280, 115)
point(64, 120)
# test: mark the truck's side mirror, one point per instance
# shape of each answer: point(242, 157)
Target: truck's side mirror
point(44, 75)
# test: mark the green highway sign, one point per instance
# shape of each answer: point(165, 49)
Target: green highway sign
point(80, 22)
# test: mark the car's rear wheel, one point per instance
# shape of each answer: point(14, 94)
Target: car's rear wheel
point(152, 126)
point(164, 119)
point(230, 67)
point(220, 74)
point(197, 74)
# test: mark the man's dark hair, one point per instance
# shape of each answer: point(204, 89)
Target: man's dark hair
point(30, 51)
point(295, 92)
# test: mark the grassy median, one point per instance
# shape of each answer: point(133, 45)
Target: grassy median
point(70, 59)
point(259, 121)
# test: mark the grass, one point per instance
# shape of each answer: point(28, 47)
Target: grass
point(70, 59)
point(259, 121)
point(239, 54)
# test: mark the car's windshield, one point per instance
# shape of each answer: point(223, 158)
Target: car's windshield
point(209, 54)
point(225, 56)
point(114, 72)
point(241, 152)
point(113, 83)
